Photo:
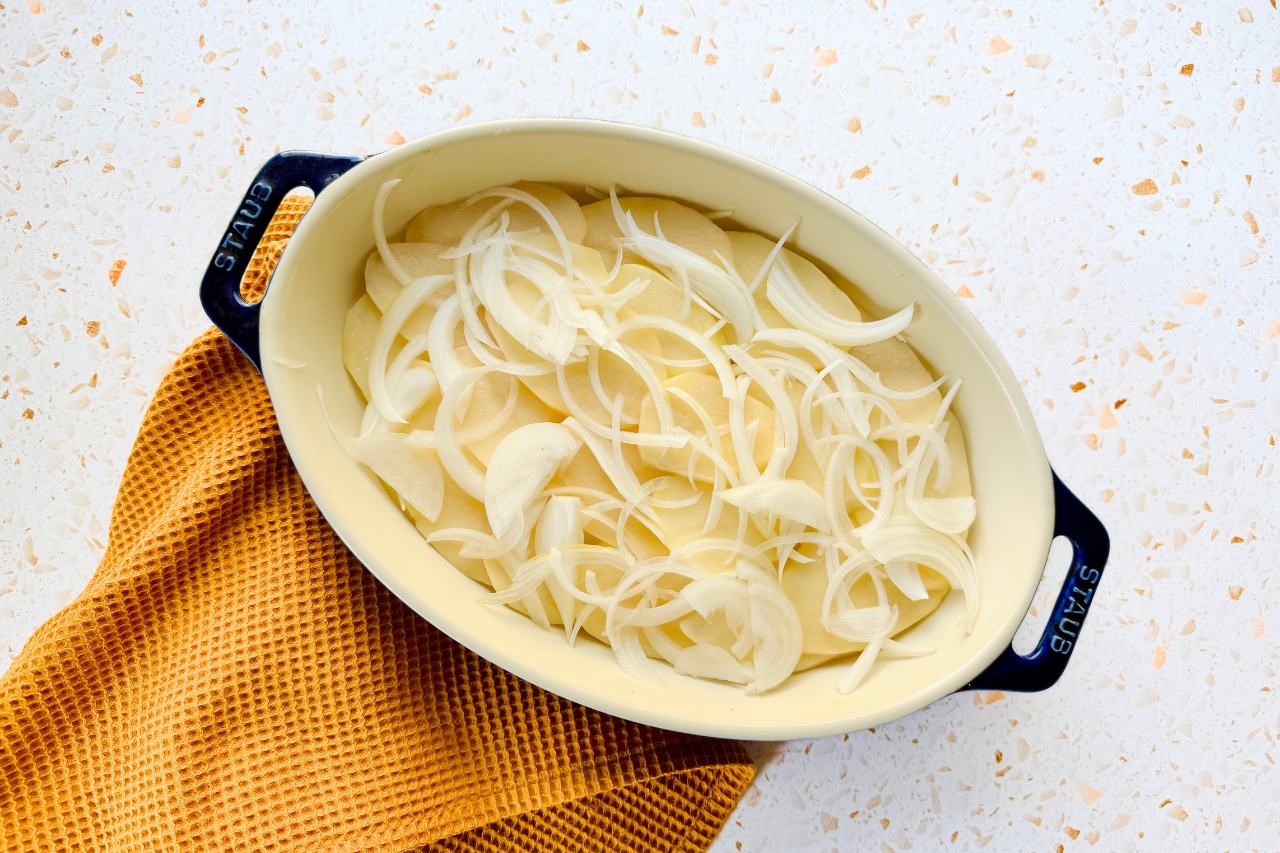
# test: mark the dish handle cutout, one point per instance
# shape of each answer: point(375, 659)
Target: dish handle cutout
point(1090, 545)
point(220, 288)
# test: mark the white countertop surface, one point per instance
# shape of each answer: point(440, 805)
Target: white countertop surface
point(1099, 181)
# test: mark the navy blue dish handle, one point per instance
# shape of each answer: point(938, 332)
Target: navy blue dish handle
point(1044, 666)
point(220, 289)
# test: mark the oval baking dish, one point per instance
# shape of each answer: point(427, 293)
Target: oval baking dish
point(294, 336)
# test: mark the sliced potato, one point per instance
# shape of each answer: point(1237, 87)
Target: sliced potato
point(960, 485)
point(750, 251)
point(458, 510)
point(682, 225)
point(449, 223)
point(358, 332)
point(684, 525)
point(500, 580)
point(662, 297)
point(706, 390)
point(418, 259)
point(488, 396)
point(586, 261)
point(806, 585)
point(616, 377)
point(900, 370)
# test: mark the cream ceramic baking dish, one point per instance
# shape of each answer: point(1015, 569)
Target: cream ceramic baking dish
point(294, 337)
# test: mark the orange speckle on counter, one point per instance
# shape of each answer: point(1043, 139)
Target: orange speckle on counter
point(1107, 419)
point(1097, 161)
point(1077, 386)
point(1187, 69)
point(774, 97)
point(1120, 402)
point(583, 46)
point(1271, 329)
point(668, 31)
point(1249, 219)
point(698, 120)
point(1235, 592)
point(28, 414)
point(117, 267)
point(854, 125)
point(1088, 793)
point(711, 59)
point(35, 6)
point(1202, 469)
point(394, 138)
point(862, 173)
point(1256, 625)
point(1072, 832)
point(997, 46)
point(826, 58)
point(1193, 297)
point(1145, 187)
point(1160, 656)
point(993, 696)
point(964, 292)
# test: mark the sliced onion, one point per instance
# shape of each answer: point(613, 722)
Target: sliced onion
point(380, 233)
point(703, 661)
point(468, 477)
point(767, 266)
point(906, 577)
point(521, 466)
point(786, 433)
point(410, 299)
point(793, 499)
point(861, 666)
point(779, 638)
point(918, 543)
point(695, 273)
point(798, 307)
point(721, 594)
point(413, 472)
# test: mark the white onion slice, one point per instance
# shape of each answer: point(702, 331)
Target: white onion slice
point(722, 594)
point(703, 661)
point(412, 297)
point(906, 577)
point(412, 471)
point(793, 499)
point(800, 309)
point(779, 638)
point(521, 466)
point(861, 666)
point(693, 271)
point(918, 543)
point(380, 233)
point(468, 477)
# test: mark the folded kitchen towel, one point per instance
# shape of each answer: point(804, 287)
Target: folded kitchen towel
point(233, 679)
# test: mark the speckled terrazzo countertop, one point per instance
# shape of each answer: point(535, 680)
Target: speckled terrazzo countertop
point(1098, 183)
